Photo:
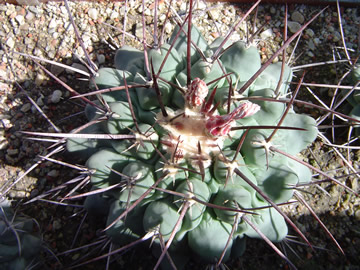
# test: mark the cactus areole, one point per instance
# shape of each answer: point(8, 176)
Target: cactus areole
point(176, 172)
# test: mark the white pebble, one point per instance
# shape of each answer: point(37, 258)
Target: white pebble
point(3, 144)
point(147, 12)
point(20, 19)
point(10, 42)
point(168, 27)
point(93, 13)
point(100, 59)
point(114, 15)
point(63, 10)
point(215, 14)
point(29, 16)
point(201, 5)
point(266, 34)
point(52, 24)
point(56, 96)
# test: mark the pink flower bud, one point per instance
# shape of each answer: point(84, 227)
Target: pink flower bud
point(220, 125)
point(197, 93)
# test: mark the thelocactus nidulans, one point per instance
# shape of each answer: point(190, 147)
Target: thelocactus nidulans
point(180, 156)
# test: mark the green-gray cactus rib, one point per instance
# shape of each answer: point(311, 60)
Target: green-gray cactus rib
point(135, 165)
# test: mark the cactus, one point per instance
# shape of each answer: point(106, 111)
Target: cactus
point(183, 161)
point(19, 244)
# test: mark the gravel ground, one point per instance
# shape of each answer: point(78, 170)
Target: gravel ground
point(45, 31)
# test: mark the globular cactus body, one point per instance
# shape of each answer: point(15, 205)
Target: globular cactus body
point(192, 145)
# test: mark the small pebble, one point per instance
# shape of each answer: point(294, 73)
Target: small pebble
point(56, 225)
point(20, 19)
point(26, 107)
point(293, 26)
point(53, 173)
point(309, 32)
point(296, 16)
point(100, 58)
point(56, 96)
point(114, 15)
point(311, 45)
point(215, 14)
point(310, 54)
point(336, 36)
point(357, 214)
point(168, 27)
point(267, 33)
point(12, 194)
point(52, 24)
point(40, 78)
point(34, 9)
point(93, 13)
point(10, 42)
point(3, 144)
point(317, 41)
point(139, 30)
point(63, 10)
